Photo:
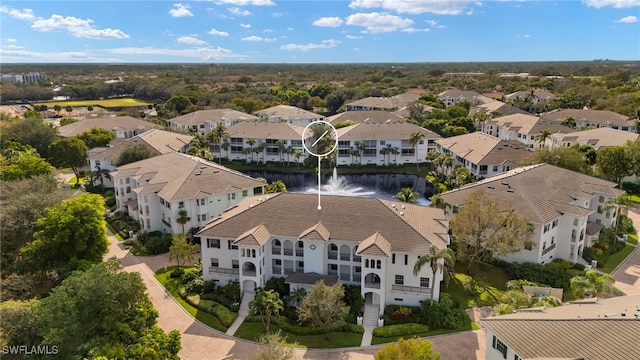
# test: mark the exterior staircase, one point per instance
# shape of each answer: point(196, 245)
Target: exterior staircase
point(370, 315)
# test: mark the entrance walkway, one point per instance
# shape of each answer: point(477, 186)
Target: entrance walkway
point(627, 274)
point(247, 298)
point(369, 322)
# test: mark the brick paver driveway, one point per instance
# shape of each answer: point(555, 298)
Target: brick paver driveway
point(627, 274)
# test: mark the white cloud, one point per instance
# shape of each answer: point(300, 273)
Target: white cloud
point(204, 53)
point(526, 36)
point(56, 57)
point(24, 14)
point(246, 26)
point(245, 2)
point(328, 22)
point(628, 20)
point(614, 3)
point(257, 39)
point(290, 28)
point(180, 10)
point(432, 22)
point(190, 40)
point(444, 7)
point(325, 44)
point(353, 37)
point(356, 49)
point(10, 40)
point(12, 46)
point(77, 27)
point(239, 12)
point(414, 30)
point(267, 31)
point(379, 22)
point(218, 33)
point(278, 14)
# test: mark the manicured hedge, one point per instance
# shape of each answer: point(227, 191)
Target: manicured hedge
point(225, 315)
point(400, 330)
point(282, 323)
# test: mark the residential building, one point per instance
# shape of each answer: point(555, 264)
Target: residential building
point(522, 128)
point(264, 141)
point(451, 97)
point(592, 118)
point(495, 109)
point(560, 205)
point(123, 127)
point(383, 143)
point(289, 114)
point(155, 190)
point(599, 138)
point(32, 77)
point(535, 96)
point(158, 141)
point(482, 154)
point(369, 242)
point(382, 103)
point(362, 116)
point(461, 75)
point(594, 329)
point(204, 121)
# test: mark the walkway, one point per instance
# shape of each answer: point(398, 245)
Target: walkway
point(247, 298)
point(627, 274)
point(200, 342)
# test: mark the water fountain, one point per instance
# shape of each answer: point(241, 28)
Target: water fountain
point(337, 185)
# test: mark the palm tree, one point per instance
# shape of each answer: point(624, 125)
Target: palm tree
point(225, 146)
point(593, 284)
point(407, 195)
point(276, 186)
point(251, 142)
point(433, 258)
point(622, 203)
point(217, 135)
point(296, 296)
point(360, 147)
point(281, 149)
point(183, 218)
point(542, 137)
point(246, 152)
point(569, 121)
point(100, 174)
point(388, 151)
point(395, 151)
point(289, 151)
point(414, 140)
point(297, 153)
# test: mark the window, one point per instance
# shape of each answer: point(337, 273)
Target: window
point(300, 264)
point(366, 263)
point(214, 262)
point(575, 222)
point(399, 279)
point(203, 217)
point(245, 193)
point(406, 259)
point(128, 189)
point(546, 228)
point(278, 262)
point(553, 240)
point(300, 245)
point(544, 245)
point(601, 199)
point(424, 282)
point(235, 264)
point(495, 169)
point(333, 247)
point(202, 202)
point(516, 357)
point(393, 258)
point(379, 264)
point(554, 223)
point(383, 143)
point(213, 243)
point(398, 299)
point(500, 346)
point(333, 267)
point(127, 180)
point(231, 196)
point(181, 205)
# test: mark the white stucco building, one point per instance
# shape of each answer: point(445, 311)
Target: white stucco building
point(567, 209)
point(369, 242)
point(204, 121)
point(123, 127)
point(288, 114)
point(523, 128)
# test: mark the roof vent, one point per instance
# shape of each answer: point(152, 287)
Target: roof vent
point(610, 315)
point(393, 205)
point(403, 206)
point(509, 190)
point(491, 187)
point(401, 213)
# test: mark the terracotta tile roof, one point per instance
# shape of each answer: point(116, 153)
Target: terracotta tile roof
point(410, 229)
point(499, 107)
point(376, 245)
point(255, 236)
point(287, 112)
point(109, 123)
point(394, 102)
point(212, 116)
point(603, 117)
point(265, 130)
point(386, 131)
point(586, 330)
point(310, 278)
point(316, 232)
point(484, 149)
point(540, 192)
point(158, 141)
point(529, 124)
point(182, 176)
point(598, 138)
point(369, 116)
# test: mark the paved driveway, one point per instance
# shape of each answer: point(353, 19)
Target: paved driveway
point(200, 342)
point(627, 274)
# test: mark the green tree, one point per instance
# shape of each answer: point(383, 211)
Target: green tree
point(323, 306)
point(57, 108)
point(297, 153)
point(30, 131)
point(75, 229)
point(569, 121)
point(296, 296)
point(68, 109)
point(251, 142)
point(438, 202)
point(569, 158)
point(18, 325)
point(217, 136)
point(96, 137)
point(614, 163)
point(67, 121)
point(482, 227)
point(156, 345)
point(407, 195)
point(133, 153)
point(181, 251)
point(593, 284)
point(620, 203)
point(414, 140)
point(89, 108)
point(178, 104)
point(542, 137)
point(19, 161)
point(438, 259)
point(68, 152)
point(412, 349)
point(273, 347)
point(267, 304)
point(277, 186)
point(101, 306)
point(183, 218)
point(100, 174)
point(632, 148)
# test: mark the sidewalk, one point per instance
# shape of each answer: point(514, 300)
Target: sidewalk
point(627, 274)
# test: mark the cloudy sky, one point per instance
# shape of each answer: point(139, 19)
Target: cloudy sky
point(328, 31)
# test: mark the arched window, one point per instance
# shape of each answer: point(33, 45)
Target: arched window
point(253, 253)
point(333, 247)
point(277, 242)
point(366, 263)
point(379, 264)
point(242, 252)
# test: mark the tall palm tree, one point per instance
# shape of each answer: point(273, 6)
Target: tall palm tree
point(407, 195)
point(183, 218)
point(433, 258)
point(622, 203)
point(217, 135)
point(360, 147)
point(414, 140)
point(593, 284)
point(296, 296)
point(251, 142)
point(100, 174)
point(388, 151)
point(542, 137)
point(281, 150)
point(297, 153)
point(225, 146)
point(276, 186)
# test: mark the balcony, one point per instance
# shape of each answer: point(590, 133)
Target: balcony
point(414, 289)
point(247, 272)
point(546, 251)
point(276, 250)
point(288, 270)
point(573, 238)
point(166, 222)
point(333, 255)
point(300, 252)
point(288, 252)
point(357, 278)
point(219, 270)
point(276, 269)
point(357, 258)
point(345, 257)
point(372, 285)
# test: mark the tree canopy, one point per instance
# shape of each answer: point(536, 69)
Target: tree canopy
point(483, 227)
point(267, 304)
point(30, 131)
point(570, 158)
point(68, 152)
point(407, 195)
point(19, 161)
point(323, 306)
point(133, 153)
point(178, 104)
point(614, 163)
point(96, 137)
point(412, 349)
point(181, 251)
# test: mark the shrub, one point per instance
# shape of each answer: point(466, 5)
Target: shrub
point(284, 325)
point(225, 315)
point(443, 314)
point(631, 187)
point(395, 331)
point(402, 315)
point(209, 286)
point(177, 273)
point(578, 266)
point(188, 276)
point(278, 285)
point(195, 285)
point(158, 244)
point(392, 314)
point(541, 274)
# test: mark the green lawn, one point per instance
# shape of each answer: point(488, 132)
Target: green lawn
point(253, 330)
point(74, 180)
point(108, 103)
point(383, 340)
point(634, 198)
point(492, 283)
point(633, 238)
point(615, 259)
point(172, 286)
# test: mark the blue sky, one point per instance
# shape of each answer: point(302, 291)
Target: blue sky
point(333, 31)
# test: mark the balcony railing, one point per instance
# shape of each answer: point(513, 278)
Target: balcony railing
point(415, 289)
point(276, 251)
point(219, 270)
point(276, 269)
point(546, 251)
point(372, 285)
point(288, 271)
point(573, 238)
point(248, 272)
point(357, 278)
point(166, 222)
point(333, 255)
point(299, 252)
point(357, 258)
point(344, 257)
point(288, 252)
